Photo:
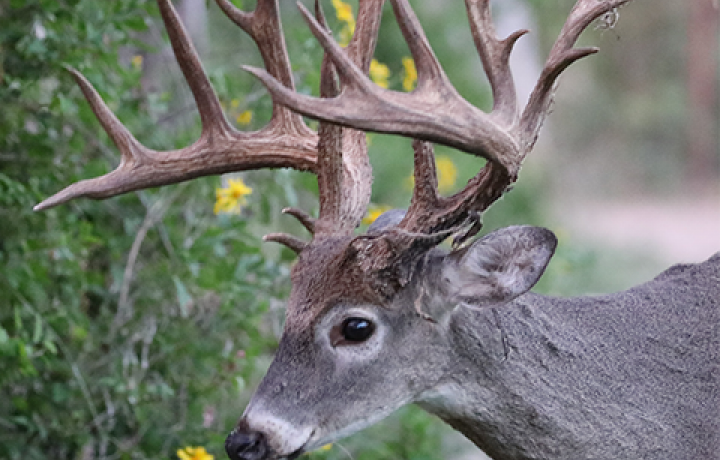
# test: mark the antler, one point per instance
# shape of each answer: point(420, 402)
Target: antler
point(337, 155)
point(344, 172)
point(435, 111)
point(284, 142)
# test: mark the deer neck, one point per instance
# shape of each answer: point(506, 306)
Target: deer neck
point(500, 395)
point(546, 378)
point(569, 378)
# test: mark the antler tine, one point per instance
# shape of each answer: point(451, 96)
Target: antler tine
point(428, 210)
point(344, 171)
point(430, 75)
point(433, 112)
point(431, 213)
point(362, 45)
point(289, 241)
point(495, 57)
point(130, 148)
point(211, 113)
point(425, 198)
point(304, 218)
point(285, 142)
point(263, 25)
point(561, 56)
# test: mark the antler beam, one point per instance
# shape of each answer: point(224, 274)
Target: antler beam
point(433, 112)
point(436, 112)
point(344, 171)
point(285, 142)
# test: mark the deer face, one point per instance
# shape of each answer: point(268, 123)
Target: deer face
point(366, 326)
point(348, 357)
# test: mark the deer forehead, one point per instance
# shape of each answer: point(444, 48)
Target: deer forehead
point(327, 273)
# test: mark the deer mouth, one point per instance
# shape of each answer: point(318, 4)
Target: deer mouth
point(244, 443)
point(296, 454)
point(293, 455)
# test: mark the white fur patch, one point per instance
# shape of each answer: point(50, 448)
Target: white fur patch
point(282, 436)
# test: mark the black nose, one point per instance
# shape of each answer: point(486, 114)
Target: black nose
point(246, 445)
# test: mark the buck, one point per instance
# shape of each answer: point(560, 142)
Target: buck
point(386, 318)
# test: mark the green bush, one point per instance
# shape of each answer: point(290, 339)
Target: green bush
point(128, 328)
point(133, 327)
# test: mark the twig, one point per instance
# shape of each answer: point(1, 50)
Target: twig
point(154, 213)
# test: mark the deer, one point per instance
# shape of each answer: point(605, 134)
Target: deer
point(388, 317)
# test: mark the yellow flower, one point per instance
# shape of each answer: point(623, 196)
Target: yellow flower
point(137, 61)
point(374, 211)
point(447, 175)
point(232, 198)
point(343, 12)
point(194, 453)
point(244, 118)
point(379, 73)
point(325, 448)
point(410, 74)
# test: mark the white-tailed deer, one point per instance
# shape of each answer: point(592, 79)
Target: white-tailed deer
point(382, 319)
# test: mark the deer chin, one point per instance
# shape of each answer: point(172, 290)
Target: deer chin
point(295, 454)
point(321, 437)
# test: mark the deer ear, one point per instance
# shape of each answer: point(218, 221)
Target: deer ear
point(498, 267)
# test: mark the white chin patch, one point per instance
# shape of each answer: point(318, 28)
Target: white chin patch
point(283, 437)
point(320, 439)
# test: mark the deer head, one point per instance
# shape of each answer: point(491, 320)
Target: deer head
point(367, 319)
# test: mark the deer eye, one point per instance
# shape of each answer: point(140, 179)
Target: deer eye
point(354, 330)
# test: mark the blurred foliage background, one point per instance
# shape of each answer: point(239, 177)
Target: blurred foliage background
point(134, 327)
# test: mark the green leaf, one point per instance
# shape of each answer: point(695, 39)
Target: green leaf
point(136, 23)
point(38, 330)
point(183, 297)
point(50, 346)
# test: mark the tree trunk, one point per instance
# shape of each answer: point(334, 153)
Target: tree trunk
point(702, 92)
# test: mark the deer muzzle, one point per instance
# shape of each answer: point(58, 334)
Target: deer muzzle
point(253, 445)
point(246, 445)
point(266, 438)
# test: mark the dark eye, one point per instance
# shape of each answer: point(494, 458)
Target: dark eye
point(357, 329)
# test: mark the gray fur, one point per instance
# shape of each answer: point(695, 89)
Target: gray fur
point(633, 375)
point(387, 220)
